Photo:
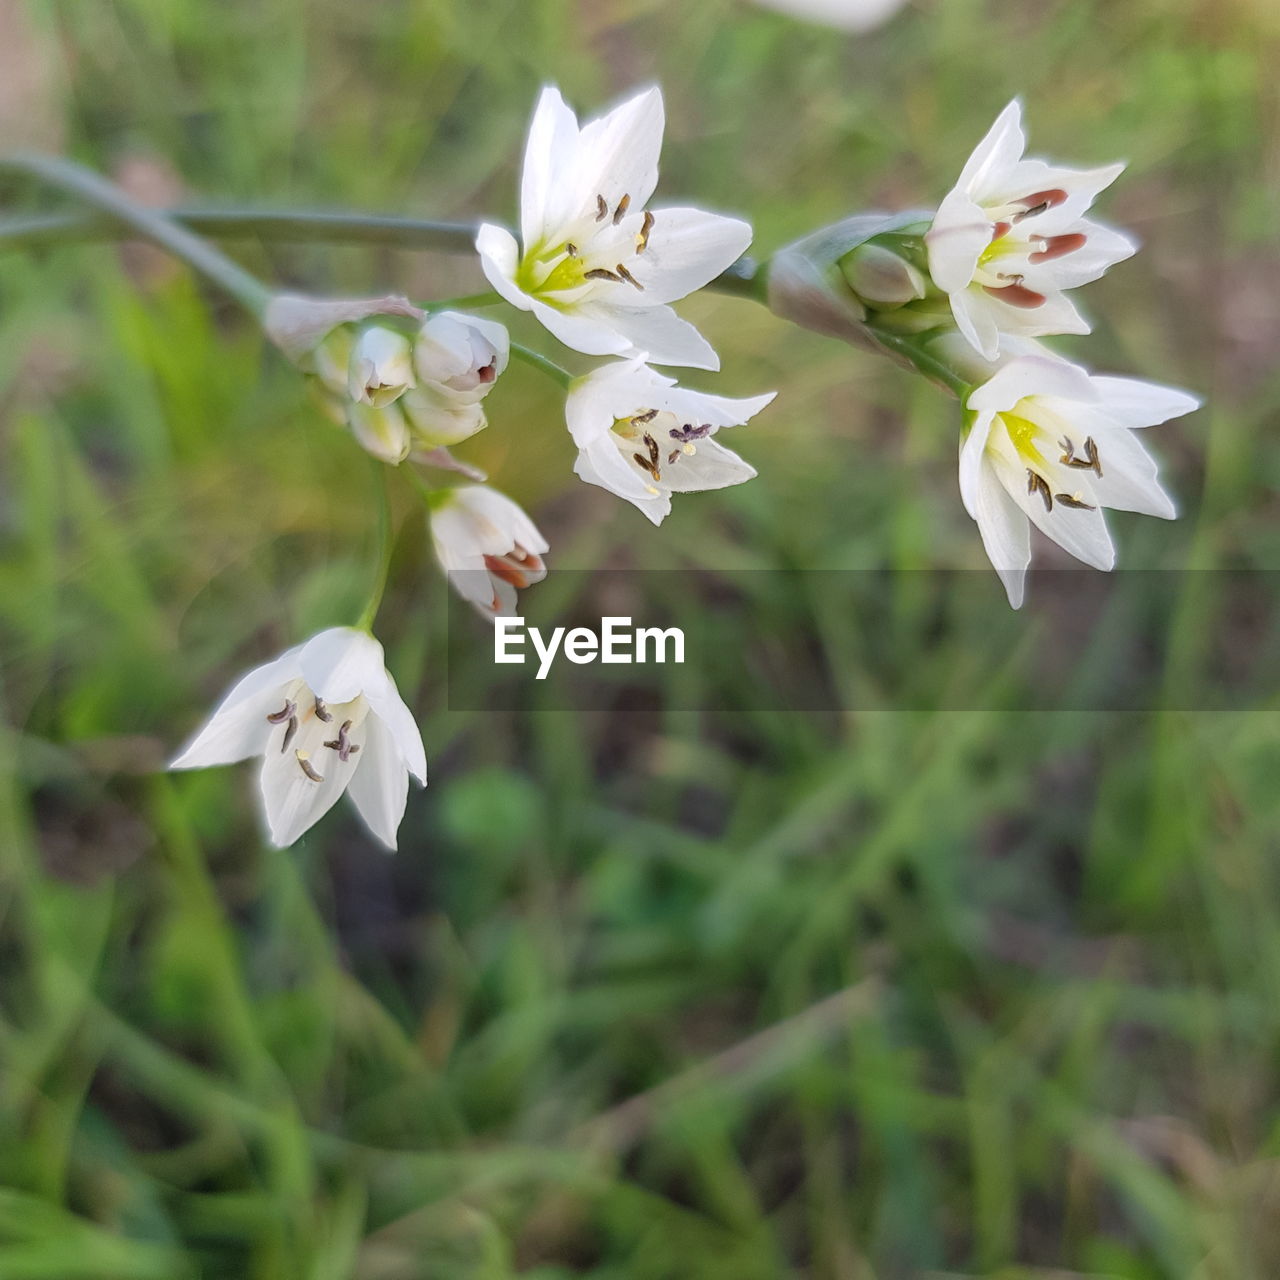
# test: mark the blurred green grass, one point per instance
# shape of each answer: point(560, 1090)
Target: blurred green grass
point(1015, 975)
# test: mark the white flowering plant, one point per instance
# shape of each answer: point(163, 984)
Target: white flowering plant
point(963, 294)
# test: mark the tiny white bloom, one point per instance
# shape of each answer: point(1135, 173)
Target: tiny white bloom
point(846, 15)
point(380, 369)
point(457, 359)
point(326, 718)
point(644, 438)
point(488, 546)
point(594, 265)
point(1050, 444)
point(1011, 237)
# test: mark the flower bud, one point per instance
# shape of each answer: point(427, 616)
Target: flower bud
point(881, 278)
point(461, 354)
point(808, 284)
point(381, 430)
point(381, 367)
point(458, 359)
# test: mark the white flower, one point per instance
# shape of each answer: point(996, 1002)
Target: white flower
point(596, 267)
point(847, 15)
point(380, 369)
point(1011, 237)
point(487, 546)
point(1050, 444)
point(326, 718)
point(457, 359)
point(644, 438)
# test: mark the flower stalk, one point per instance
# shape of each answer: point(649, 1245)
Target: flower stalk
point(152, 224)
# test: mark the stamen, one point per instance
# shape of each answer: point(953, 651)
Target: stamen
point(647, 416)
point(488, 372)
point(1073, 501)
point(642, 240)
point(628, 277)
point(1059, 247)
point(322, 712)
point(1036, 483)
point(600, 273)
point(304, 763)
point(647, 464)
point(279, 717)
point(1038, 202)
point(672, 456)
point(1017, 295)
point(1000, 230)
point(288, 734)
point(341, 745)
point(689, 432)
point(602, 209)
point(570, 248)
point(1068, 452)
point(621, 211)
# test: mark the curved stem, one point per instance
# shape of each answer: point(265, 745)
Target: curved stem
point(744, 278)
point(386, 544)
point(910, 350)
point(464, 302)
point(153, 224)
point(539, 361)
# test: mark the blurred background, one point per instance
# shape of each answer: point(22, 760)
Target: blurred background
point(647, 992)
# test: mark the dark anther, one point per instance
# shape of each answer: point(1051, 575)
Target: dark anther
point(341, 744)
point(602, 209)
point(629, 278)
point(1068, 501)
point(322, 712)
point(600, 273)
point(288, 734)
point(1036, 483)
point(642, 240)
point(1038, 202)
point(279, 717)
point(621, 211)
point(571, 249)
point(304, 763)
point(689, 432)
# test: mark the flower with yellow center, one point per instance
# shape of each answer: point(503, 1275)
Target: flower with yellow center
point(1011, 238)
point(594, 265)
point(1051, 445)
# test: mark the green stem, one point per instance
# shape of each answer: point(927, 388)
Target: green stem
point(745, 278)
point(912, 351)
point(464, 302)
point(539, 361)
point(386, 544)
point(431, 497)
point(153, 224)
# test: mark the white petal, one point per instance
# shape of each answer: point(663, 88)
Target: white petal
point(1103, 248)
point(618, 153)
point(341, 663)
point(612, 391)
point(387, 705)
point(956, 240)
point(591, 332)
point(294, 802)
point(977, 322)
point(972, 453)
point(715, 411)
point(238, 728)
point(380, 785)
point(550, 154)
point(1133, 402)
point(499, 259)
point(1006, 535)
point(997, 153)
point(1033, 376)
point(712, 466)
point(1129, 478)
point(687, 249)
point(656, 331)
point(602, 465)
point(1082, 534)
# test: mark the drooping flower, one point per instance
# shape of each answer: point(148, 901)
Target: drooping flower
point(1050, 444)
point(487, 545)
point(326, 718)
point(594, 265)
point(1011, 237)
point(457, 359)
point(644, 438)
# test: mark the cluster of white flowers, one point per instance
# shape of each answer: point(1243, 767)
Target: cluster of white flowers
point(599, 269)
point(964, 294)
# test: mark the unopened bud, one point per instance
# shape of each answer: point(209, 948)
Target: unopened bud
point(807, 284)
point(882, 279)
point(461, 355)
point(381, 368)
point(381, 430)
